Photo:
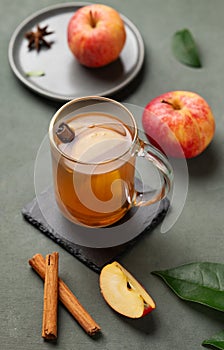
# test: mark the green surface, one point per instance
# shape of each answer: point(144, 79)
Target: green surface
point(198, 234)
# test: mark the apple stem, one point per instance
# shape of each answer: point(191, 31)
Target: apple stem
point(174, 105)
point(167, 102)
point(92, 19)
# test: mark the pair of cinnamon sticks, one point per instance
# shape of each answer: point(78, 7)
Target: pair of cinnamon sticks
point(54, 289)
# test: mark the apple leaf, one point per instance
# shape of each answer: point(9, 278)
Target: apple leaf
point(217, 341)
point(184, 48)
point(201, 282)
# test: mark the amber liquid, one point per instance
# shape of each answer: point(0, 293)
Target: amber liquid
point(94, 174)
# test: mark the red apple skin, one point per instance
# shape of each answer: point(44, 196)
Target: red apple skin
point(96, 35)
point(180, 123)
point(147, 310)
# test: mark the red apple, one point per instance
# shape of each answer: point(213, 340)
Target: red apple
point(123, 293)
point(180, 123)
point(96, 35)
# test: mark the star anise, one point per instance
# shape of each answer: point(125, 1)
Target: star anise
point(36, 39)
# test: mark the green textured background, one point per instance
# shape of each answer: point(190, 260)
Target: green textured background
point(198, 235)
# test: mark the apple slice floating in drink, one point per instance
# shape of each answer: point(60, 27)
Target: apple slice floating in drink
point(123, 292)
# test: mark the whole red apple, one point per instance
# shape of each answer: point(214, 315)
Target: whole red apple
point(180, 123)
point(96, 35)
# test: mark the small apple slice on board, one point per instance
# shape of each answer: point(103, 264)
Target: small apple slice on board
point(123, 292)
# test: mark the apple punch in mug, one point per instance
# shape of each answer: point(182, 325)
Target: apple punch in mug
point(94, 144)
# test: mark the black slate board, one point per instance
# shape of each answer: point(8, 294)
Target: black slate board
point(94, 258)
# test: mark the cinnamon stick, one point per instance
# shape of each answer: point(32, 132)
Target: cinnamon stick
point(49, 324)
point(67, 298)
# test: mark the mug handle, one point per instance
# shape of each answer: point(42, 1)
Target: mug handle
point(154, 156)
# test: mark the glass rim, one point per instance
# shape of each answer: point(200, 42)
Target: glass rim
point(79, 99)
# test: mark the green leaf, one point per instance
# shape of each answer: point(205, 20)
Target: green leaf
point(36, 73)
point(184, 48)
point(198, 282)
point(216, 341)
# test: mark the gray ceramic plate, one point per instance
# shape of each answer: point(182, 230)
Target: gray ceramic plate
point(64, 77)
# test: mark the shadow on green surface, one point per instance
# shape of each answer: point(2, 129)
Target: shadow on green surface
point(146, 324)
point(205, 164)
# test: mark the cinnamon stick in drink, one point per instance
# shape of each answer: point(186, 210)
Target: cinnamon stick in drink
point(49, 324)
point(67, 298)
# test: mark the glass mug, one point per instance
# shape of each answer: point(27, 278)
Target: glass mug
point(94, 144)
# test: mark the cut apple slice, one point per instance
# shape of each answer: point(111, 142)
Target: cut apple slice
point(123, 293)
